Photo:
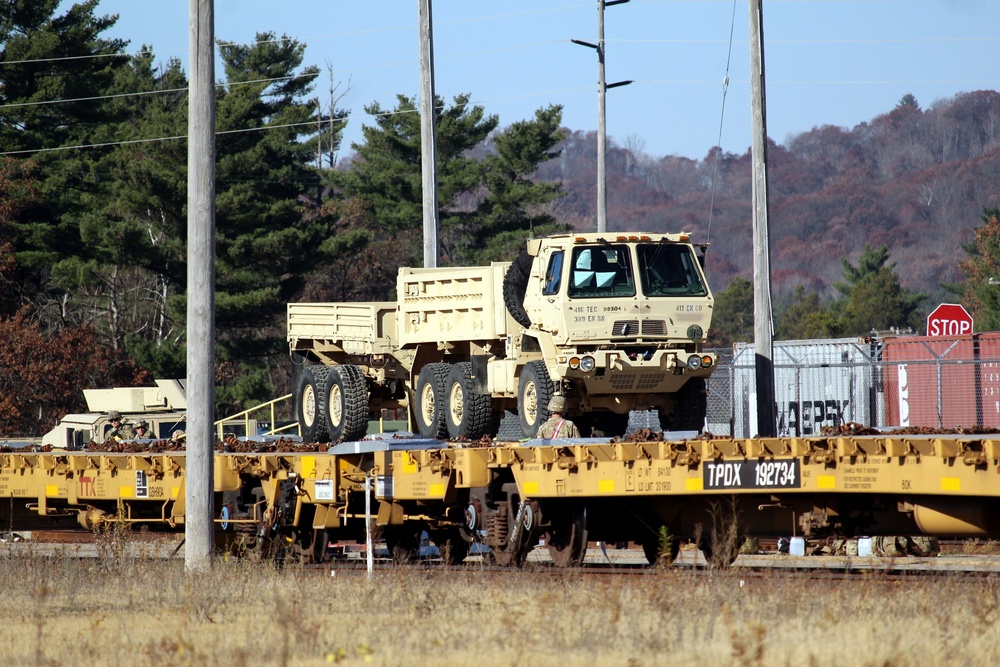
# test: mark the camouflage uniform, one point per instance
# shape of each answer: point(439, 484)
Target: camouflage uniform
point(558, 426)
point(120, 430)
point(146, 434)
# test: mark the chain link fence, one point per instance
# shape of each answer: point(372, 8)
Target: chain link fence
point(879, 382)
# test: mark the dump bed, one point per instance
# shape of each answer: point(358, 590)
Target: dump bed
point(435, 305)
point(452, 304)
point(358, 328)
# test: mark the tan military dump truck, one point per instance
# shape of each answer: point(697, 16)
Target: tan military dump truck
point(613, 322)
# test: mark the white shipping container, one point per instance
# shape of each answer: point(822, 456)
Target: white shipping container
point(817, 383)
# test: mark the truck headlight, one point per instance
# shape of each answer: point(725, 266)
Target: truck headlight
point(587, 364)
point(694, 362)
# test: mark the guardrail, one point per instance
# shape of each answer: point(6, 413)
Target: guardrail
point(245, 416)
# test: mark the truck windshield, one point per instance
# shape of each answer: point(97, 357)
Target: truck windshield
point(601, 271)
point(669, 270)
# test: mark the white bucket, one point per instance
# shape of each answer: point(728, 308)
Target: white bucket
point(864, 546)
point(797, 547)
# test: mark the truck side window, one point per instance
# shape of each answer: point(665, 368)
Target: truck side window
point(553, 275)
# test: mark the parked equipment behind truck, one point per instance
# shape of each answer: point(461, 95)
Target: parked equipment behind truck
point(612, 322)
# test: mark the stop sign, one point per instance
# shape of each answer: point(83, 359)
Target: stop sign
point(949, 319)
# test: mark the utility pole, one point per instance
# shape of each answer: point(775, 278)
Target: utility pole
point(428, 140)
point(199, 511)
point(602, 87)
point(762, 321)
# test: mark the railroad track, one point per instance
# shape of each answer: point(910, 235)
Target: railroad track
point(599, 562)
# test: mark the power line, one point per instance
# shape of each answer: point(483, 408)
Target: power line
point(286, 78)
point(125, 142)
point(232, 84)
point(277, 40)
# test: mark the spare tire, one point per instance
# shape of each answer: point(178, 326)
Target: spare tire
point(515, 286)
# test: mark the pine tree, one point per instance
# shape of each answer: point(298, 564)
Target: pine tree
point(54, 73)
point(487, 205)
point(732, 320)
point(873, 299)
point(805, 317)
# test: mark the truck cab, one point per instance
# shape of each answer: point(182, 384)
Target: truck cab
point(620, 319)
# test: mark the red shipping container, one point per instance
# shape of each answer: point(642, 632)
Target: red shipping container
point(940, 382)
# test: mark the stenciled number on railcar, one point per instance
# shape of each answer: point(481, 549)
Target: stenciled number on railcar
point(752, 474)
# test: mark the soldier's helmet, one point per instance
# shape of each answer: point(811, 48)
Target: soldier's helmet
point(142, 424)
point(114, 415)
point(557, 404)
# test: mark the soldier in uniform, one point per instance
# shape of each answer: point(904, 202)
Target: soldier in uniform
point(558, 426)
point(142, 430)
point(120, 429)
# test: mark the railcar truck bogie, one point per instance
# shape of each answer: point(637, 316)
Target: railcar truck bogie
point(612, 322)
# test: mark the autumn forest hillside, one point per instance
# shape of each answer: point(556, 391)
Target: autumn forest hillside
point(914, 179)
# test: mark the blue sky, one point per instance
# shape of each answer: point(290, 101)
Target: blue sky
point(828, 62)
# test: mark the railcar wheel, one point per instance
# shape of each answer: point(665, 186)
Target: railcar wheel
point(346, 403)
point(469, 414)
point(534, 391)
point(430, 403)
point(452, 546)
point(310, 403)
point(520, 523)
point(655, 547)
point(720, 555)
point(403, 544)
point(566, 538)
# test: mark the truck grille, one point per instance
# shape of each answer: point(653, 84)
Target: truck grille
point(625, 328)
point(654, 328)
point(636, 382)
point(631, 328)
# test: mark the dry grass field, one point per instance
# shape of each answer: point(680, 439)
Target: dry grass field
point(111, 612)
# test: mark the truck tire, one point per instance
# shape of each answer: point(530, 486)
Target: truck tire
point(692, 406)
point(310, 403)
point(515, 286)
point(430, 401)
point(534, 391)
point(468, 414)
point(346, 403)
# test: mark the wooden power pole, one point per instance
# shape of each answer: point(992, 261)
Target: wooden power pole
point(762, 321)
point(602, 132)
point(199, 510)
point(428, 139)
